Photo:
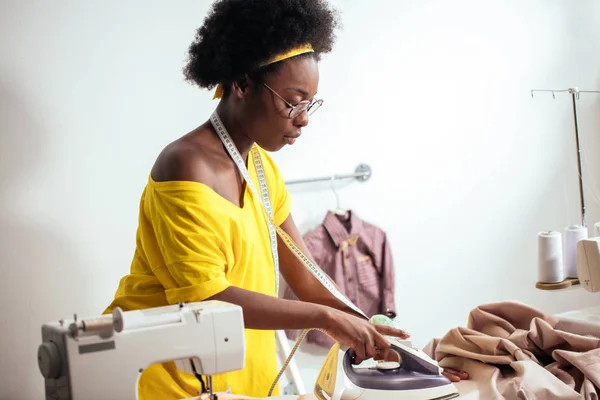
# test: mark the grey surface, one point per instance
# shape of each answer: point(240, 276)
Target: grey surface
point(92, 348)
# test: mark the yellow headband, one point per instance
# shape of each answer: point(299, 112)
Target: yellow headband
point(306, 48)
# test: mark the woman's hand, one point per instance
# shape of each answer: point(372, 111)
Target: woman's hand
point(365, 338)
point(455, 375)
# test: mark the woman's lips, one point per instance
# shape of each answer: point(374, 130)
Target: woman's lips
point(291, 139)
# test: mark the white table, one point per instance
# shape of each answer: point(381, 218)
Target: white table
point(589, 315)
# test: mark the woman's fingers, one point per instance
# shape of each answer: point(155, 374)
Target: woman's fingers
point(360, 350)
point(389, 331)
point(370, 349)
point(461, 374)
point(382, 346)
point(371, 344)
point(369, 340)
point(455, 375)
point(452, 377)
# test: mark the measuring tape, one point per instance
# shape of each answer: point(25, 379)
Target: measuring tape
point(274, 229)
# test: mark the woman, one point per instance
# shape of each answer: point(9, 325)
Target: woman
point(202, 232)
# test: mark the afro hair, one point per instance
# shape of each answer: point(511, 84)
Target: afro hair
point(238, 36)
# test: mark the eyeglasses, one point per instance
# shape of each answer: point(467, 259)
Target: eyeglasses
point(309, 106)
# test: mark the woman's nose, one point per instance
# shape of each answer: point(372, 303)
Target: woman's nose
point(302, 119)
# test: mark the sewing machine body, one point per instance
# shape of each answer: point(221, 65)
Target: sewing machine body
point(588, 264)
point(103, 357)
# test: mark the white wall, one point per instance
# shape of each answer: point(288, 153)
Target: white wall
point(467, 167)
point(472, 167)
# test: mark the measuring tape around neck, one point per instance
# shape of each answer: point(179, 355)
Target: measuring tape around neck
point(274, 229)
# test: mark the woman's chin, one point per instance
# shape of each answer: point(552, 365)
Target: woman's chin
point(272, 147)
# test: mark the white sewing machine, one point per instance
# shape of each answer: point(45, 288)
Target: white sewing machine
point(588, 264)
point(102, 357)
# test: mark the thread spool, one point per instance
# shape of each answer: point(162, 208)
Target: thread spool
point(550, 257)
point(573, 234)
point(596, 229)
point(100, 324)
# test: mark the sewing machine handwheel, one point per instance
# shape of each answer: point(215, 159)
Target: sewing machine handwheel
point(49, 360)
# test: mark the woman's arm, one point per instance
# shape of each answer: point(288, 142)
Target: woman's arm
point(302, 282)
point(307, 287)
point(267, 312)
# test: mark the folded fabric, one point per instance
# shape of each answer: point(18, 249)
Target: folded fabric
point(514, 351)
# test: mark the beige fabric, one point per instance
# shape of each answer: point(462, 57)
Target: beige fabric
point(514, 351)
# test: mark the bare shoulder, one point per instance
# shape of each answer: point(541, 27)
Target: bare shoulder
point(189, 158)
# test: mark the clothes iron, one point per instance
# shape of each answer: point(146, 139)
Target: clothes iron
point(414, 377)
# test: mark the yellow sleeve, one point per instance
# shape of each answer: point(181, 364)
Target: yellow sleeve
point(191, 241)
point(280, 197)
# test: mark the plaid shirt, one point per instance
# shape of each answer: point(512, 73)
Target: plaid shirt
point(357, 257)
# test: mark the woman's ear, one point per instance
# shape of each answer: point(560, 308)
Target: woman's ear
point(240, 87)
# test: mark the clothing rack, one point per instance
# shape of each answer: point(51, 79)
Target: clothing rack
point(575, 92)
point(362, 173)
